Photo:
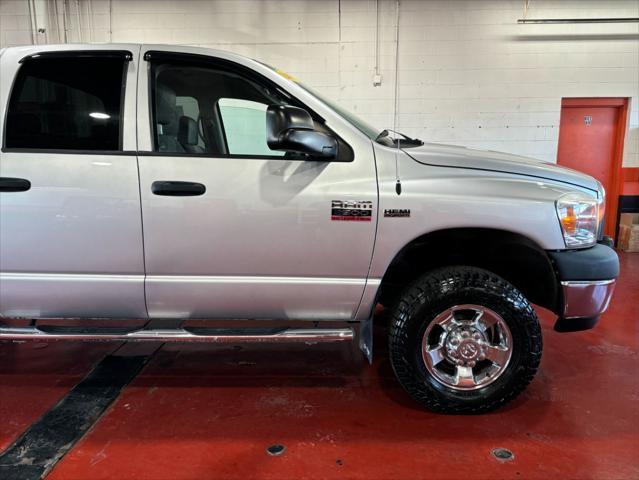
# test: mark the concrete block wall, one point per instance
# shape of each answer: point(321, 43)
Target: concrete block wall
point(15, 23)
point(468, 73)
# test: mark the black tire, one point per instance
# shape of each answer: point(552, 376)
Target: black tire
point(433, 294)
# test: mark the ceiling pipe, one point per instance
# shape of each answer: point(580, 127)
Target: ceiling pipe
point(398, 182)
point(79, 18)
point(578, 20)
point(90, 17)
point(66, 23)
point(33, 21)
point(377, 40)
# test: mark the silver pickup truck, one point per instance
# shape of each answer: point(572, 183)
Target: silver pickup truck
point(147, 190)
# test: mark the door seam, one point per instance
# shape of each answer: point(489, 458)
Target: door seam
point(137, 163)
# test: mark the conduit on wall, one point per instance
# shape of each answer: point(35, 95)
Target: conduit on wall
point(579, 20)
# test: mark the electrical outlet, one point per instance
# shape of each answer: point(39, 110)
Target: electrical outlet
point(377, 80)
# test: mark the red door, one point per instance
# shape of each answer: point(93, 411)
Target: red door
point(591, 140)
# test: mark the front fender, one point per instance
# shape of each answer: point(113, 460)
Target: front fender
point(440, 198)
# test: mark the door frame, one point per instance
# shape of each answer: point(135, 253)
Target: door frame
point(616, 182)
point(209, 294)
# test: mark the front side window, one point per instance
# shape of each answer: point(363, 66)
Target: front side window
point(67, 104)
point(206, 109)
point(244, 123)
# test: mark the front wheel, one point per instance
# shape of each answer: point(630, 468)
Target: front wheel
point(464, 340)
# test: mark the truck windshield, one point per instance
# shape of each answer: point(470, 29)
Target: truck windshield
point(368, 130)
point(383, 137)
point(380, 136)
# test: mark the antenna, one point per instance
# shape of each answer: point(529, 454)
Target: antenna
point(398, 183)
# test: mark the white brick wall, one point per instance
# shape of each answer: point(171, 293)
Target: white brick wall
point(468, 73)
point(15, 25)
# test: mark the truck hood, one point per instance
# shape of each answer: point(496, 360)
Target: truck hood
point(462, 157)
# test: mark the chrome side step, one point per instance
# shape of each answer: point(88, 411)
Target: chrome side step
point(194, 334)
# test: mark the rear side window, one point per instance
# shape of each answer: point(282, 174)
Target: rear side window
point(67, 103)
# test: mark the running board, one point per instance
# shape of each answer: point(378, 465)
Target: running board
point(195, 334)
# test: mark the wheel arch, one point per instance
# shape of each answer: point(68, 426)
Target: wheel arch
point(511, 255)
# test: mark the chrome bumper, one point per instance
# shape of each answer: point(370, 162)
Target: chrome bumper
point(586, 299)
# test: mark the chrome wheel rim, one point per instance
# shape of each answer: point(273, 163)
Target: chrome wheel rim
point(467, 347)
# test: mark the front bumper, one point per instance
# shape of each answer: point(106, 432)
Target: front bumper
point(584, 303)
point(587, 279)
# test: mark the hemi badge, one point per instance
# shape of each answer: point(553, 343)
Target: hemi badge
point(397, 212)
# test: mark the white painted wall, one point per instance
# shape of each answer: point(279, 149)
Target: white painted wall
point(468, 73)
point(15, 26)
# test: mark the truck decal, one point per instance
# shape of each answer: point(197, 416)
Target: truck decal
point(352, 211)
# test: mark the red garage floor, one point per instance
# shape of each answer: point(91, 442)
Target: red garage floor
point(35, 376)
point(199, 412)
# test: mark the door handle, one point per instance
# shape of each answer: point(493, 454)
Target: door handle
point(9, 184)
point(177, 189)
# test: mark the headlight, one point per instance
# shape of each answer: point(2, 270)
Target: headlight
point(579, 218)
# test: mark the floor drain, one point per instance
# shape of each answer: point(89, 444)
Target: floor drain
point(503, 454)
point(275, 450)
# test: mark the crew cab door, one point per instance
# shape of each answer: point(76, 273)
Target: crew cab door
point(231, 228)
point(70, 225)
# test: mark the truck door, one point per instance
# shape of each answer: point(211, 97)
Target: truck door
point(231, 228)
point(70, 225)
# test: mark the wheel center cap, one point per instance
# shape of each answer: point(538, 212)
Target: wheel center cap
point(468, 350)
point(465, 346)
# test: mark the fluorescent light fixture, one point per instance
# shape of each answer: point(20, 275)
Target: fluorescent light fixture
point(99, 115)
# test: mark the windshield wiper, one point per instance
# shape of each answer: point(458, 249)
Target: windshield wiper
point(406, 141)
